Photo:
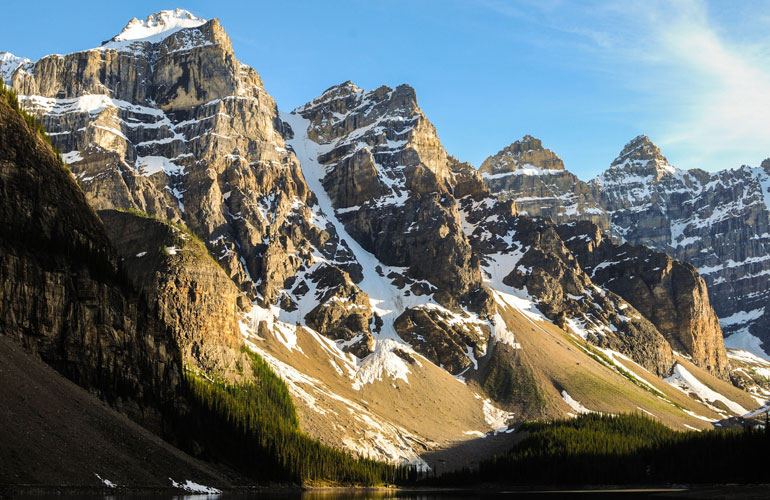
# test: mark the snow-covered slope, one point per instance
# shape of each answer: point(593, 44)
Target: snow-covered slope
point(154, 29)
point(9, 64)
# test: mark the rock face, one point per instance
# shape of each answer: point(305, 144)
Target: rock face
point(718, 222)
point(523, 154)
point(62, 295)
point(391, 183)
point(187, 289)
point(164, 119)
point(528, 258)
point(536, 179)
point(670, 293)
point(172, 124)
point(343, 312)
point(391, 187)
point(630, 195)
point(451, 344)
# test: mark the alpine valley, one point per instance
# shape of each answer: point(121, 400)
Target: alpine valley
point(195, 255)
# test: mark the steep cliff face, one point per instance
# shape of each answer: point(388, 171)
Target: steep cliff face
point(381, 173)
point(164, 119)
point(527, 259)
point(62, 295)
point(189, 291)
point(716, 221)
point(536, 179)
point(391, 183)
point(670, 293)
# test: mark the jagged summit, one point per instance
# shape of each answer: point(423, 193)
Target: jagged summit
point(155, 28)
point(530, 143)
point(346, 91)
point(640, 148)
point(346, 86)
point(521, 156)
point(638, 153)
point(9, 63)
point(339, 92)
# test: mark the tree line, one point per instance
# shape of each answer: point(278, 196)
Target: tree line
point(253, 427)
point(623, 449)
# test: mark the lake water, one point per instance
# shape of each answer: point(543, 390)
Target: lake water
point(343, 494)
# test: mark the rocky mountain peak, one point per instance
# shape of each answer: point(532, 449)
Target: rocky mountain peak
point(9, 63)
point(639, 148)
point(347, 97)
point(342, 89)
point(638, 154)
point(157, 26)
point(527, 152)
point(167, 32)
point(530, 143)
point(406, 95)
point(391, 182)
point(379, 122)
point(336, 100)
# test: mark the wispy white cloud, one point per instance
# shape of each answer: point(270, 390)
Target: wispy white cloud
point(720, 91)
point(700, 71)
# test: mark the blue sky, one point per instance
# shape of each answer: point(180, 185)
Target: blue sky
point(585, 77)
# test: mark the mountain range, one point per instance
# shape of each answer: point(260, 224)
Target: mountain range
point(716, 221)
point(415, 307)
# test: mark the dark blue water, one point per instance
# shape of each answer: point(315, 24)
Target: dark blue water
point(712, 492)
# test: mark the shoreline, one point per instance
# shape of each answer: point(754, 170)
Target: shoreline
point(64, 491)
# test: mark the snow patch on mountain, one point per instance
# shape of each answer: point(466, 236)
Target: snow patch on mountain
point(575, 405)
point(742, 317)
point(106, 482)
point(686, 382)
point(495, 267)
point(749, 357)
point(72, 157)
point(523, 170)
point(149, 165)
point(495, 417)
point(193, 487)
point(383, 360)
point(285, 333)
point(154, 29)
point(386, 300)
point(9, 63)
point(88, 103)
point(745, 341)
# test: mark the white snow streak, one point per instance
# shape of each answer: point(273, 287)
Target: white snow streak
point(193, 487)
point(686, 382)
point(575, 405)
